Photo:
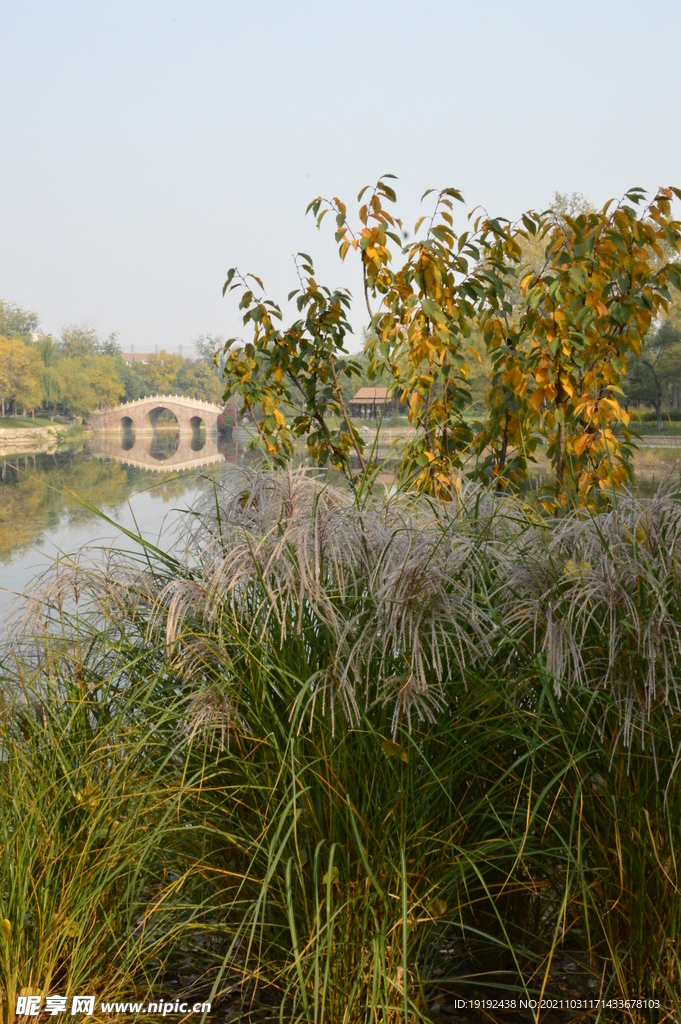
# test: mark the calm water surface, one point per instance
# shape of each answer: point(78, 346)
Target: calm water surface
point(144, 484)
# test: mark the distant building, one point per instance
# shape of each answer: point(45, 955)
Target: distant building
point(135, 357)
point(368, 403)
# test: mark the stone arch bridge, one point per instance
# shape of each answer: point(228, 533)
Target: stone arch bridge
point(142, 415)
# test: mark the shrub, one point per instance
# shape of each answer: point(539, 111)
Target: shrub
point(342, 762)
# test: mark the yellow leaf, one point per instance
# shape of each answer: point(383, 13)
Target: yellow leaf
point(438, 908)
point(567, 386)
point(279, 417)
point(395, 750)
point(582, 444)
point(415, 404)
point(6, 929)
point(536, 399)
point(278, 374)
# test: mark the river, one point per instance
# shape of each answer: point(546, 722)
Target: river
point(143, 484)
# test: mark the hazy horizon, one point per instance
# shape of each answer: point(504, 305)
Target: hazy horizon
point(149, 147)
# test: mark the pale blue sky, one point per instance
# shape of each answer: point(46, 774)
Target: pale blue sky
point(149, 146)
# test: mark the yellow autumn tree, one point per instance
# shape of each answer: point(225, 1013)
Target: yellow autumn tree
point(559, 363)
point(20, 370)
point(557, 333)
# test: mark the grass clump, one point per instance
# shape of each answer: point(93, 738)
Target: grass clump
point(344, 763)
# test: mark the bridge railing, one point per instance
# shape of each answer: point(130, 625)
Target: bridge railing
point(179, 399)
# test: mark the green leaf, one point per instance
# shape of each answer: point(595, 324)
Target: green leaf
point(230, 274)
point(389, 193)
point(433, 311)
point(529, 224)
point(674, 274)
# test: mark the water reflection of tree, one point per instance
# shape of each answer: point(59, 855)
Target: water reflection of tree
point(34, 493)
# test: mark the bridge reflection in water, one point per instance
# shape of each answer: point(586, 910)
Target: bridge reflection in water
point(160, 453)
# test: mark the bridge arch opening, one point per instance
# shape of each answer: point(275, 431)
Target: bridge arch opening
point(198, 435)
point(164, 445)
point(163, 419)
point(166, 439)
point(128, 438)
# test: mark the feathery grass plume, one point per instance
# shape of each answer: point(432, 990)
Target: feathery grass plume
point(601, 597)
point(398, 587)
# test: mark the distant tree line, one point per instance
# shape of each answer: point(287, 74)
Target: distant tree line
point(81, 371)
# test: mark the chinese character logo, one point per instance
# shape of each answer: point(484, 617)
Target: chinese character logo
point(83, 1004)
point(55, 1005)
point(28, 1006)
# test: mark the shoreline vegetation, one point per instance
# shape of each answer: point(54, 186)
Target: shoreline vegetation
point(376, 738)
point(80, 372)
point(336, 758)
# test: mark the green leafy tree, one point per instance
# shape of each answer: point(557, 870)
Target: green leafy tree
point(82, 339)
point(47, 351)
point(79, 340)
point(306, 360)
point(105, 384)
point(89, 382)
point(75, 395)
point(649, 377)
point(160, 373)
point(198, 379)
point(110, 345)
point(16, 322)
point(133, 381)
point(50, 385)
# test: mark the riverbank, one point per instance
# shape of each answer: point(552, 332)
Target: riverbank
point(26, 440)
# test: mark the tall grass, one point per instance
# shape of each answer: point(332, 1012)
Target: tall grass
point(343, 763)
